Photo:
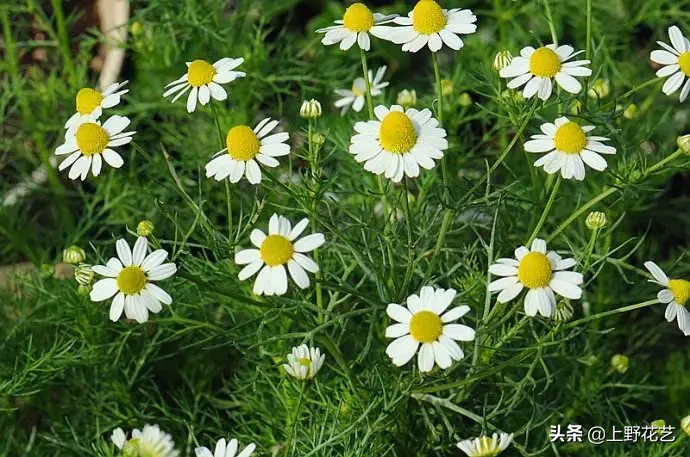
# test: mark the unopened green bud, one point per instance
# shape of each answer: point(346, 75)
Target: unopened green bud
point(502, 60)
point(447, 87)
point(407, 98)
point(465, 99)
point(596, 220)
point(576, 107)
point(685, 424)
point(83, 290)
point(46, 270)
point(145, 228)
point(620, 363)
point(600, 89)
point(631, 112)
point(311, 109)
point(84, 274)
point(684, 143)
point(564, 311)
point(136, 28)
point(318, 139)
point(73, 255)
point(658, 425)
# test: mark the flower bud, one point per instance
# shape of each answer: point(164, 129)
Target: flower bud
point(658, 425)
point(407, 98)
point(576, 107)
point(620, 363)
point(84, 274)
point(311, 109)
point(73, 255)
point(564, 311)
point(145, 228)
point(596, 220)
point(684, 143)
point(502, 60)
point(465, 99)
point(685, 424)
point(631, 112)
point(136, 28)
point(46, 270)
point(600, 89)
point(447, 87)
point(83, 290)
point(317, 139)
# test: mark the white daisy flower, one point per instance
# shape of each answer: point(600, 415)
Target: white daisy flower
point(485, 446)
point(151, 442)
point(676, 294)
point(355, 98)
point(536, 68)
point(542, 272)
point(89, 143)
point(304, 362)
point(425, 322)
point(355, 26)
point(244, 147)
point(569, 148)
point(279, 249)
point(399, 142)
point(91, 102)
point(205, 81)
point(130, 279)
point(676, 63)
point(430, 25)
point(225, 449)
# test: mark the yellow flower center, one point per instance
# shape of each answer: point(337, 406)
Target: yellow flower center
point(242, 142)
point(570, 138)
point(680, 288)
point(139, 448)
point(88, 100)
point(534, 270)
point(428, 17)
point(304, 361)
point(544, 62)
point(425, 327)
point(131, 280)
point(358, 18)
point(200, 73)
point(276, 250)
point(684, 62)
point(91, 138)
point(487, 447)
point(397, 133)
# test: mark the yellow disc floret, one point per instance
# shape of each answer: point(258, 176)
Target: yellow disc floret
point(88, 100)
point(358, 18)
point(397, 133)
point(276, 250)
point(304, 361)
point(680, 288)
point(544, 62)
point(131, 280)
point(425, 327)
point(428, 17)
point(534, 270)
point(91, 138)
point(570, 138)
point(242, 143)
point(684, 62)
point(200, 73)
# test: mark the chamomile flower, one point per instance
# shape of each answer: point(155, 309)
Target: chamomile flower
point(542, 272)
point(399, 142)
point(304, 362)
point(676, 63)
point(130, 279)
point(676, 294)
point(205, 81)
point(355, 98)
point(355, 27)
point(225, 449)
point(534, 68)
point(485, 446)
point(91, 102)
point(569, 148)
point(280, 249)
point(244, 147)
point(89, 143)
point(149, 442)
point(426, 322)
point(430, 25)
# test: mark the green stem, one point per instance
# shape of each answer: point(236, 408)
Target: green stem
point(439, 113)
point(228, 191)
point(367, 83)
point(660, 164)
point(315, 174)
point(605, 194)
point(590, 248)
point(549, 18)
point(410, 250)
point(623, 309)
point(290, 439)
point(546, 211)
point(63, 36)
point(588, 48)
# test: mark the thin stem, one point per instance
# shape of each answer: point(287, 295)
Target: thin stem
point(410, 250)
point(290, 439)
point(623, 309)
point(367, 83)
point(439, 113)
point(315, 174)
point(590, 248)
point(588, 48)
point(228, 191)
point(660, 164)
point(63, 36)
point(549, 18)
point(581, 210)
point(546, 211)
